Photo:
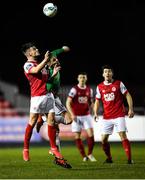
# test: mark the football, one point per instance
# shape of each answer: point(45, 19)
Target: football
point(50, 9)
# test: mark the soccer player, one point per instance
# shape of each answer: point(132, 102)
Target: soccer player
point(42, 101)
point(111, 93)
point(53, 85)
point(79, 103)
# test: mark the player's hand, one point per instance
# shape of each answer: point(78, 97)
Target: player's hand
point(74, 118)
point(130, 113)
point(77, 120)
point(56, 69)
point(46, 56)
point(66, 48)
point(96, 118)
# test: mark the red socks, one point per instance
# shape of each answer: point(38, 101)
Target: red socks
point(91, 143)
point(127, 148)
point(28, 134)
point(80, 147)
point(52, 136)
point(106, 149)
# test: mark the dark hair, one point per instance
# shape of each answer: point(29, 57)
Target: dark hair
point(106, 66)
point(27, 46)
point(82, 73)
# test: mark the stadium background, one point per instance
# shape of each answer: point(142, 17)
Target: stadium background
point(97, 33)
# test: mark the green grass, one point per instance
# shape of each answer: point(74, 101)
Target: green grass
point(41, 165)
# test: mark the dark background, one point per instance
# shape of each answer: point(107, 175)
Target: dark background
point(98, 33)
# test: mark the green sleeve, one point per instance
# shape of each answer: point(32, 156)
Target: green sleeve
point(57, 52)
point(49, 87)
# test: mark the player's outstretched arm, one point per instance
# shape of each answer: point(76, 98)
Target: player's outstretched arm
point(41, 65)
point(56, 52)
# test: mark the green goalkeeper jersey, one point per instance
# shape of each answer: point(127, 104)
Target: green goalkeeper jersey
point(53, 83)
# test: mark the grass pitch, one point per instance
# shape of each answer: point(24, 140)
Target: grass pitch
point(41, 165)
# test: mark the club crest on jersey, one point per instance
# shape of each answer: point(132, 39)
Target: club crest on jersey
point(87, 93)
point(113, 88)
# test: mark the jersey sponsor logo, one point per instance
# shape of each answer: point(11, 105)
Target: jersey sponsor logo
point(82, 100)
point(109, 96)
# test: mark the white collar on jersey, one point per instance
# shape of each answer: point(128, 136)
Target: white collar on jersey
point(81, 87)
point(108, 83)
